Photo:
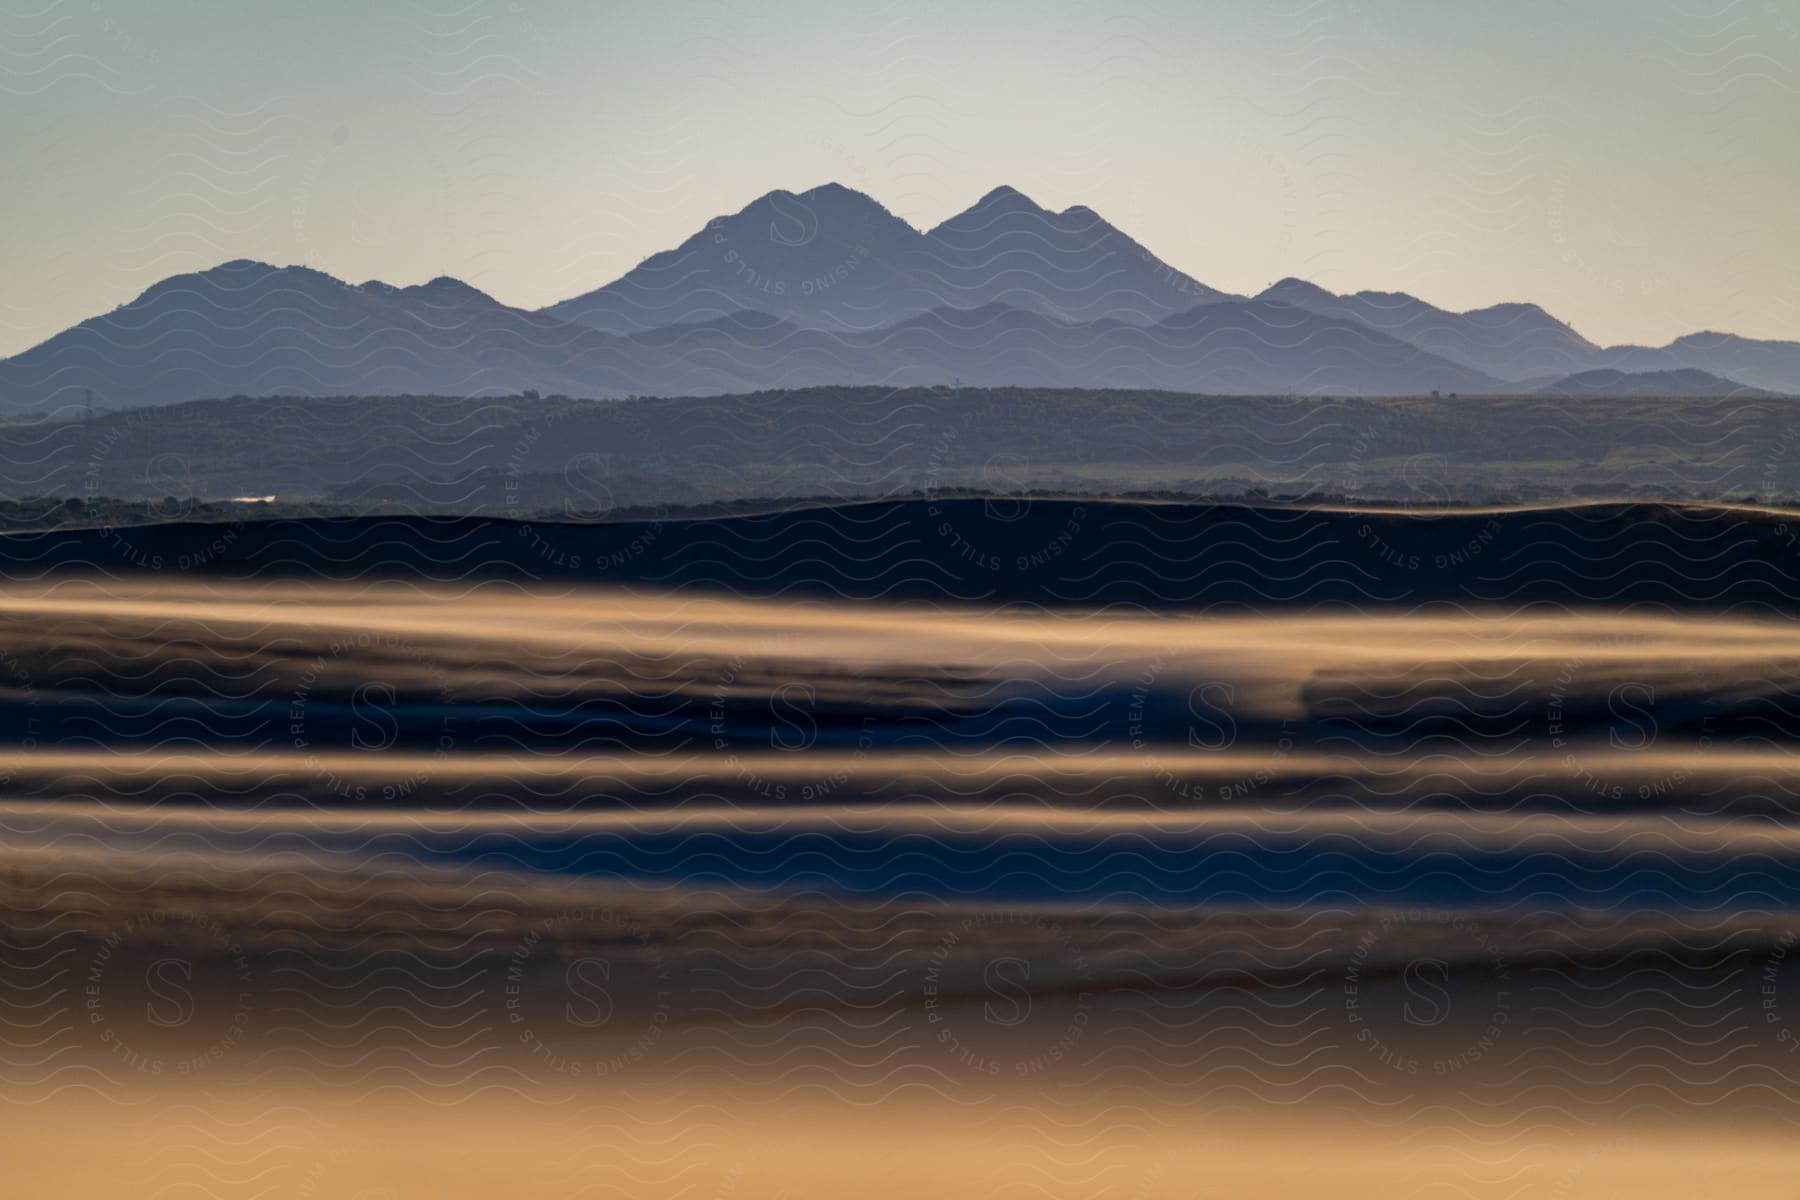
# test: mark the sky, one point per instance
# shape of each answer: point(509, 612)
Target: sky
point(1631, 165)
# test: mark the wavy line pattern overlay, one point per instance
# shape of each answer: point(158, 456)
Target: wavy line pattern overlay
point(857, 706)
point(656, 848)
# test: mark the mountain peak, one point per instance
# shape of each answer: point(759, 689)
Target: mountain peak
point(1006, 194)
point(832, 196)
point(1006, 200)
point(1702, 337)
point(1003, 201)
point(836, 191)
point(1398, 303)
point(1296, 291)
point(444, 291)
point(831, 257)
point(238, 272)
point(796, 218)
point(239, 277)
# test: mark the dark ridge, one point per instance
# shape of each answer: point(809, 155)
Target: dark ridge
point(1685, 381)
point(1209, 557)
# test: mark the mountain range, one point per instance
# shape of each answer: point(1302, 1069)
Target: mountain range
point(828, 287)
point(834, 259)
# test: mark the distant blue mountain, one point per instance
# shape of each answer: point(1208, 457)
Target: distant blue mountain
point(832, 258)
point(248, 328)
point(1771, 365)
point(1683, 381)
point(828, 287)
point(1514, 342)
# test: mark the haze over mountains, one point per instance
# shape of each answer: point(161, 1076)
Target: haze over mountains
point(828, 287)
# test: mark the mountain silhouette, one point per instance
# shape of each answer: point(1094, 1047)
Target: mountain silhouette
point(828, 287)
point(253, 329)
point(1684, 381)
point(1515, 342)
point(1771, 365)
point(249, 327)
point(1070, 264)
point(832, 258)
point(1229, 347)
point(829, 257)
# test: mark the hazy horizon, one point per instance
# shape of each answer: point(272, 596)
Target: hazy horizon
point(1612, 163)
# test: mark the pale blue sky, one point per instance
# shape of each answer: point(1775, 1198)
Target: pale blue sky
point(1629, 164)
